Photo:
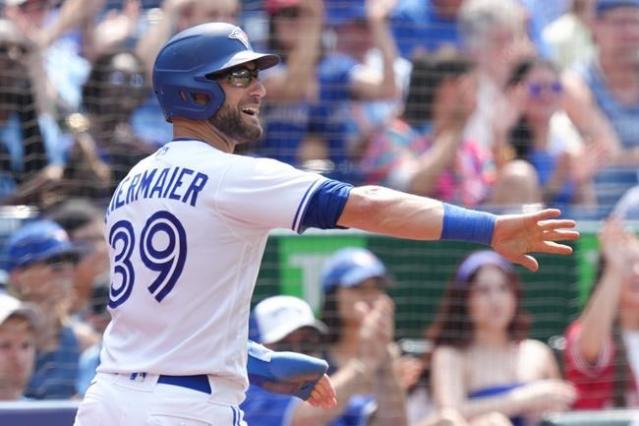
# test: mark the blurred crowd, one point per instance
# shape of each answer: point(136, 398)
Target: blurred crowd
point(492, 104)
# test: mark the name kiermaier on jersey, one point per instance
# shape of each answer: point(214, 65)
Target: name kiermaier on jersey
point(175, 183)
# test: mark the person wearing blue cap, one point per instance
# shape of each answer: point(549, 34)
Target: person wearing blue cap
point(40, 259)
point(360, 319)
point(483, 362)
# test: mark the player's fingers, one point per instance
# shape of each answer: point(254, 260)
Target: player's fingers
point(557, 224)
point(546, 214)
point(552, 247)
point(528, 262)
point(560, 235)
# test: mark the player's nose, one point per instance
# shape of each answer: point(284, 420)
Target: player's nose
point(258, 89)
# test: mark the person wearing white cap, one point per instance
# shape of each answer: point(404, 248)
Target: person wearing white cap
point(287, 323)
point(18, 323)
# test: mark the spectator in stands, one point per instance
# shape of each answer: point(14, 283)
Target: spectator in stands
point(31, 143)
point(348, 83)
point(286, 323)
point(106, 146)
point(483, 361)
point(601, 344)
point(84, 223)
point(295, 29)
point(602, 96)
point(57, 62)
point(545, 137)
point(494, 35)
point(569, 38)
point(360, 319)
point(425, 26)
point(424, 151)
point(628, 206)
point(98, 317)
point(40, 259)
point(18, 325)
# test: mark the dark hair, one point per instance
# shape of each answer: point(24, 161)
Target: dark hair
point(330, 316)
point(453, 325)
point(521, 136)
point(429, 72)
point(92, 90)
point(74, 214)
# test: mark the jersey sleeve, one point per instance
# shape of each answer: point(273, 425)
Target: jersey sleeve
point(265, 194)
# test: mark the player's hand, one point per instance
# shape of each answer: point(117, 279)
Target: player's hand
point(323, 394)
point(516, 236)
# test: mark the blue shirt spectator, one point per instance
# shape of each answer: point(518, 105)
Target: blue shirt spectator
point(149, 124)
point(56, 371)
point(418, 25)
point(624, 118)
point(269, 409)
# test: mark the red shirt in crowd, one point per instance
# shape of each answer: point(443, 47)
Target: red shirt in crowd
point(594, 382)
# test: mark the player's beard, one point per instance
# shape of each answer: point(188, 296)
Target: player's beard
point(229, 121)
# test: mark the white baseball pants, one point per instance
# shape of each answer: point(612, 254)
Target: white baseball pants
point(119, 400)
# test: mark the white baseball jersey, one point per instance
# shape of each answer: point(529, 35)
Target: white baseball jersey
point(187, 229)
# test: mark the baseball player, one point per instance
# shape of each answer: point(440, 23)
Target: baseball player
point(187, 229)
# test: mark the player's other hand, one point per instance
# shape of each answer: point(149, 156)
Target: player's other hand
point(518, 235)
point(323, 394)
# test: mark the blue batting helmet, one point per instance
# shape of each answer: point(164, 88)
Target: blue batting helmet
point(184, 62)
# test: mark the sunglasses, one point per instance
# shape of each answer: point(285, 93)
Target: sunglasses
point(60, 259)
point(120, 79)
point(288, 13)
point(238, 77)
point(536, 89)
point(13, 51)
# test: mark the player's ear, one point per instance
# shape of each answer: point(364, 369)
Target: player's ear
point(201, 98)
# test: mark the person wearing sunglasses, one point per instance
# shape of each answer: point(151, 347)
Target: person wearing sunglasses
point(545, 137)
point(40, 261)
point(106, 143)
point(187, 228)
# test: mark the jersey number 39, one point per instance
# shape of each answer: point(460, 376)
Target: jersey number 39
point(162, 249)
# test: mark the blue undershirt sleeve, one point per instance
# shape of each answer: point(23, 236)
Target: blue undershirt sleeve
point(326, 205)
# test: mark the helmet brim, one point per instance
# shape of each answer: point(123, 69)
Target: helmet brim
point(262, 60)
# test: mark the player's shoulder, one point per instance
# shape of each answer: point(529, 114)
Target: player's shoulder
point(259, 166)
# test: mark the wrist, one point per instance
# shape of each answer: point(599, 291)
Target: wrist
point(467, 225)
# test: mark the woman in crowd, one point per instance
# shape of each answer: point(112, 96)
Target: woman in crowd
point(424, 151)
point(483, 361)
point(602, 345)
point(545, 137)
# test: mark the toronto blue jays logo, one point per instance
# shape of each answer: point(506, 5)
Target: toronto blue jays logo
point(240, 35)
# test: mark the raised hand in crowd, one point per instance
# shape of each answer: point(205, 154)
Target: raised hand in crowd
point(116, 27)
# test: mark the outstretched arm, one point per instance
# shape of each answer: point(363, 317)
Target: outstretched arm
point(397, 214)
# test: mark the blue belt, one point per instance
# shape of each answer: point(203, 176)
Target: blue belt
point(198, 382)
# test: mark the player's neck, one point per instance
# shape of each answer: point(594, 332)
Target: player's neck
point(203, 131)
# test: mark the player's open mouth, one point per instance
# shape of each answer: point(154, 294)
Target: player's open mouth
point(252, 111)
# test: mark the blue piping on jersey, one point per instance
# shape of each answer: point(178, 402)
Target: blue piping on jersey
point(311, 189)
point(325, 206)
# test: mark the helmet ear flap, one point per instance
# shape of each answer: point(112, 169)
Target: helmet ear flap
point(183, 102)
